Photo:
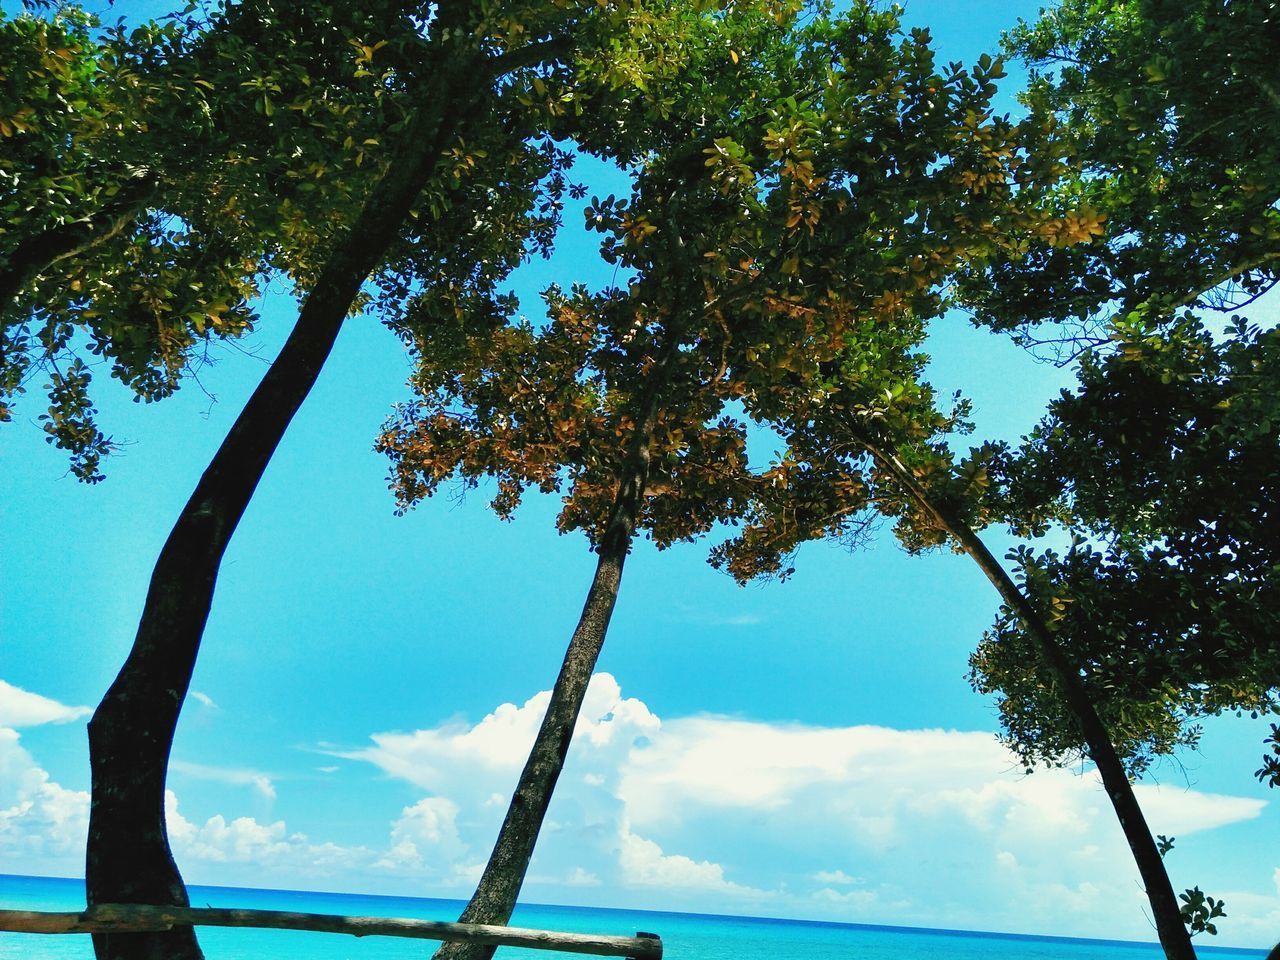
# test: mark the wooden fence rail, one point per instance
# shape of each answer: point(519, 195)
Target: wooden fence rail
point(138, 918)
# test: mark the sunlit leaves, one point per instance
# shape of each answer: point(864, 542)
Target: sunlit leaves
point(178, 165)
point(1159, 117)
point(788, 256)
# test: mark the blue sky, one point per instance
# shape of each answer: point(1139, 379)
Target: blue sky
point(369, 683)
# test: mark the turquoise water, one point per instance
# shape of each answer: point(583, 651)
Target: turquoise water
point(685, 936)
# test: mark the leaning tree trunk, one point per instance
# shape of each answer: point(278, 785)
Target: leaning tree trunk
point(1171, 930)
point(496, 894)
point(131, 733)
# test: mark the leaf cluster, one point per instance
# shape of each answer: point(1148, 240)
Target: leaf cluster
point(787, 256)
point(156, 177)
point(1165, 461)
point(1159, 118)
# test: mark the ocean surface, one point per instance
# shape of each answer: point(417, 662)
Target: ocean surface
point(685, 936)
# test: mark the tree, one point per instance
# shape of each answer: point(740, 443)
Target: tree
point(1163, 458)
point(1159, 614)
point(1164, 464)
point(1160, 119)
point(770, 244)
point(465, 186)
point(156, 175)
point(842, 442)
point(92, 258)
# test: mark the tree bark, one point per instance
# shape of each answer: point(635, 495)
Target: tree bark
point(499, 887)
point(131, 733)
point(1172, 932)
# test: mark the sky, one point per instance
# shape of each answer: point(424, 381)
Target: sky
point(369, 684)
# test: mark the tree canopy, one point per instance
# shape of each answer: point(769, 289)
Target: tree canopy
point(1163, 461)
point(158, 176)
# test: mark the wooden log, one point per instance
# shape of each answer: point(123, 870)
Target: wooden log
point(141, 918)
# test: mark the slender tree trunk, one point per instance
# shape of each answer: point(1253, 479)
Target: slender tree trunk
point(131, 733)
point(1173, 934)
point(499, 887)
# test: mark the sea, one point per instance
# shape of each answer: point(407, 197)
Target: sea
point(685, 936)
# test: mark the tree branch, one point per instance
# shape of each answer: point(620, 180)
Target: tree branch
point(142, 918)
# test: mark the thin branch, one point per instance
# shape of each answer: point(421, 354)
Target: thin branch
point(529, 55)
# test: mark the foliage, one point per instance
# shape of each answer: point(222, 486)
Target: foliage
point(1199, 911)
point(786, 257)
point(1159, 116)
point(157, 176)
point(558, 406)
point(1269, 772)
point(1165, 460)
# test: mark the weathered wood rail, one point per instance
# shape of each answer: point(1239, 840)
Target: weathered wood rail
point(139, 918)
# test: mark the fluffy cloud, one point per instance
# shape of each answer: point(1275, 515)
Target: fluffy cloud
point(42, 824)
point(18, 708)
point(837, 877)
point(425, 834)
point(716, 814)
point(742, 815)
point(456, 756)
point(643, 864)
point(258, 846)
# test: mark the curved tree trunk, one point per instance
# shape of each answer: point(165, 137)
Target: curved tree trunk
point(131, 733)
point(499, 887)
point(1173, 934)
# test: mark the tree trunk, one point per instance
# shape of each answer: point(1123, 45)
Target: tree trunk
point(1173, 934)
point(499, 887)
point(131, 733)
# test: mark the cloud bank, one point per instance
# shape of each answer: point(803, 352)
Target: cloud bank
point(709, 813)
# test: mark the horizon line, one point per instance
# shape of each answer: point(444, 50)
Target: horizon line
point(881, 927)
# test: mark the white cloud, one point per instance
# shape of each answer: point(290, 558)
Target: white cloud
point(579, 877)
point(259, 846)
point(426, 834)
point(41, 822)
point(495, 748)
point(236, 776)
point(717, 814)
point(837, 877)
point(43, 825)
point(730, 814)
point(860, 901)
point(18, 708)
point(1184, 812)
point(205, 699)
point(644, 864)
